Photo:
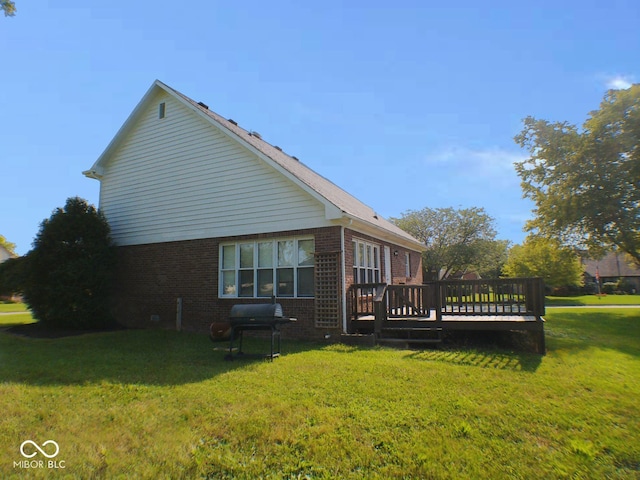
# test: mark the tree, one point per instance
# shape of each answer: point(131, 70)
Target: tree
point(491, 258)
point(10, 270)
point(12, 276)
point(454, 238)
point(69, 271)
point(586, 183)
point(10, 247)
point(547, 258)
point(8, 7)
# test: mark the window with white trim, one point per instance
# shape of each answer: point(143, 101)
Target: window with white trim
point(262, 268)
point(366, 262)
point(407, 265)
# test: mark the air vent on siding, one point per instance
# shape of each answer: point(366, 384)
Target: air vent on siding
point(256, 134)
point(231, 120)
point(203, 105)
point(277, 147)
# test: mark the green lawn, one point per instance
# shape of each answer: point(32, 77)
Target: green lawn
point(584, 300)
point(158, 404)
point(12, 307)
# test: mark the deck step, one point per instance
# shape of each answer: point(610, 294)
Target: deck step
point(408, 341)
point(366, 340)
point(412, 329)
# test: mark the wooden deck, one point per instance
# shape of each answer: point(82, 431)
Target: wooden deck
point(410, 313)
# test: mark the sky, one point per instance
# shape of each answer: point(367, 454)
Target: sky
point(404, 104)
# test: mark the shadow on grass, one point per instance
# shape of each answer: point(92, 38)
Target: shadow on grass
point(149, 357)
point(580, 330)
point(525, 362)
point(499, 350)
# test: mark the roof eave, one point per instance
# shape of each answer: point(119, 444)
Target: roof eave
point(96, 169)
point(369, 228)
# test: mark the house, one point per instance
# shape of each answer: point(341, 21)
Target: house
point(206, 215)
point(611, 268)
point(5, 254)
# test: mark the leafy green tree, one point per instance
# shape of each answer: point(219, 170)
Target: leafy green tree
point(586, 183)
point(10, 270)
point(492, 255)
point(8, 7)
point(69, 271)
point(12, 274)
point(454, 238)
point(541, 257)
point(10, 247)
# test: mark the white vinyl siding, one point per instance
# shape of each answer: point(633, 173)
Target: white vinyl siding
point(181, 178)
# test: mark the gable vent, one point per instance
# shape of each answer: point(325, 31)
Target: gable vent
point(204, 105)
point(277, 147)
point(231, 120)
point(256, 134)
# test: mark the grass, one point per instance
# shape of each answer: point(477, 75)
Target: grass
point(586, 300)
point(14, 314)
point(12, 307)
point(159, 404)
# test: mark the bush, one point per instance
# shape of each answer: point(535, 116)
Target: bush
point(625, 286)
point(609, 287)
point(69, 272)
point(12, 272)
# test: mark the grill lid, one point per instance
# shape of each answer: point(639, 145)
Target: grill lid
point(259, 310)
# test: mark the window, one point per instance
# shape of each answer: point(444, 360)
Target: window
point(161, 110)
point(407, 265)
point(282, 267)
point(366, 262)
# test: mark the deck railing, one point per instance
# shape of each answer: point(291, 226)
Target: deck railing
point(503, 296)
point(361, 296)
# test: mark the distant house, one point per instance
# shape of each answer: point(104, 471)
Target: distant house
point(207, 214)
point(611, 268)
point(5, 254)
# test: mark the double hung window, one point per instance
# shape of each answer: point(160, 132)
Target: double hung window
point(366, 262)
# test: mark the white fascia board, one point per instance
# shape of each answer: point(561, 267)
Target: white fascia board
point(375, 231)
point(96, 171)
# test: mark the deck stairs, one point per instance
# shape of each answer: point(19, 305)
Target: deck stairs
point(407, 332)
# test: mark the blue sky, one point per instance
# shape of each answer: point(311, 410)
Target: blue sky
point(405, 104)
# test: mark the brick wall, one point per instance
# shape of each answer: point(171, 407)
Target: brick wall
point(152, 277)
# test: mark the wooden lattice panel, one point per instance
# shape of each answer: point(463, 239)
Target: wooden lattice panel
point(328, 297)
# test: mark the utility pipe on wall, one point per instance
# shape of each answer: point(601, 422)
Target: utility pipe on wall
point(179, 314)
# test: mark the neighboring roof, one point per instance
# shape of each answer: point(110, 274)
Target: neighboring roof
point(326, 191)
point(5, 254)
point(612, 265)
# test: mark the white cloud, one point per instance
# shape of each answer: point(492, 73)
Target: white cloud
point(485, 162)
point(619, 82)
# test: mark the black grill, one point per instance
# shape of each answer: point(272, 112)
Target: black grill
point(257, 314)
point(262, 316)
